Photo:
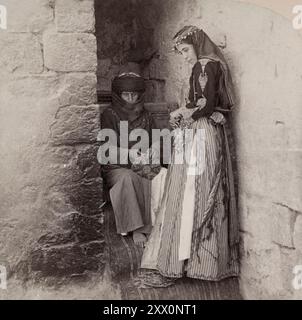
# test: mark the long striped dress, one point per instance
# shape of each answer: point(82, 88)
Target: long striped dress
point(214, 243)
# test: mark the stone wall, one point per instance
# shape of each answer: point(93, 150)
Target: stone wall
point(50, 187)
point(264, 54)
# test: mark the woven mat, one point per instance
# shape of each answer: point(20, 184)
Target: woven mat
point(124, 260)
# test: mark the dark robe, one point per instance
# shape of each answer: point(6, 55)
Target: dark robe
point(130, 194)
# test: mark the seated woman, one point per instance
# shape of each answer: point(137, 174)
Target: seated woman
point(130, 184)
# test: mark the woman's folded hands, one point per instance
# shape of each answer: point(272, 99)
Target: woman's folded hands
point(146, 164)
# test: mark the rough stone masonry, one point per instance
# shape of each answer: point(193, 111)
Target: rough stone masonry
point(50, 189)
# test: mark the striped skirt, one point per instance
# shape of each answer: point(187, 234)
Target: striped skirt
point(215, 234)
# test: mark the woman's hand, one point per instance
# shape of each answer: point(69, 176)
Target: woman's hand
point(182, 115)
point(218, 118)
point(201, 103)
point(136, 157)
point(175, 121)
point(187, 122)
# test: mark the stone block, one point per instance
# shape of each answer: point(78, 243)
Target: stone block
point(68, 165)
point(87, 162)
point(75, 15)
point(61, 89)
point(75, 124)
point(93, 249)
point(103, 67)
point(282, 226)
point(29, 194)
point(78, 89)
point(61, 175)
point(30, 90)
point(28, 16)
point(261, 273)
point(155, 91)
point(86, 196)
point(83, 196)
point(289, 259)
point(104, 84)
point(276, 175)
point(255, 217)
point(61, 155)
point(63, 261)
point(72, 247)
point(67, 52)
point(88, 228)
point(20, 53)
point(284, 177)
point(53, 239)
point(157, 70)
point(298, 234)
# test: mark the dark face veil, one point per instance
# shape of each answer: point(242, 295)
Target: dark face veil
point(205, 48)
point(128, 82)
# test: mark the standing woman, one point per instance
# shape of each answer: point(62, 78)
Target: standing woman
point(196, 233)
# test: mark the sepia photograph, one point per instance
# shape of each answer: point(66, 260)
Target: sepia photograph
point(151, 150)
